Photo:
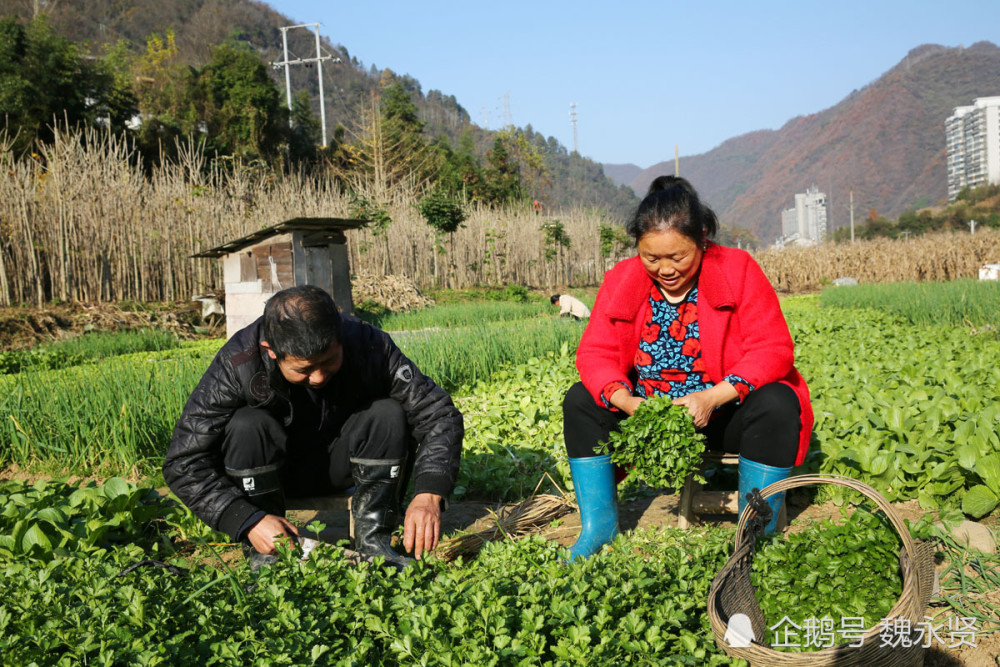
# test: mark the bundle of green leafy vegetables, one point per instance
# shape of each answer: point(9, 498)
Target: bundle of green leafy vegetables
point(839, 571)
point(658, 444)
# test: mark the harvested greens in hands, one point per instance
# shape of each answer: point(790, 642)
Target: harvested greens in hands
point(658, 444)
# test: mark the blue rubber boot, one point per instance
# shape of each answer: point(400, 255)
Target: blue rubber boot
point(755, 475)
point(597, 497)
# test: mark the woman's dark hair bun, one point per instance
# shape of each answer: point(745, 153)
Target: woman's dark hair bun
point(673, 203)
point(668, 182)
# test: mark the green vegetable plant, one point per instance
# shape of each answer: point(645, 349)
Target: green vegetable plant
point(514, 428)
point(50, 519)
point(516, 604)
point(658, 444)
point(831, 570)
point(981, 499)
point(912, 410)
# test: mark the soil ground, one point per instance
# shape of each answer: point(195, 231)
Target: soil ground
point(26, 327)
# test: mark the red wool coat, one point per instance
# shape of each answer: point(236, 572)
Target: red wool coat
point(740, 325)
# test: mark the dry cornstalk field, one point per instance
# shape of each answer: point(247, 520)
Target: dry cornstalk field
point(80, 221)
point(942, 256)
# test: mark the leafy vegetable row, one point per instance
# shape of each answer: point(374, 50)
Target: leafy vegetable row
point(913, 411)
point(519, 602)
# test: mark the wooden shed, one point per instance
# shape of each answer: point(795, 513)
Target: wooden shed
point(300, 251)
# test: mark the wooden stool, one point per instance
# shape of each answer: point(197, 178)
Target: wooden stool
point(323, 504)
point(695, 501)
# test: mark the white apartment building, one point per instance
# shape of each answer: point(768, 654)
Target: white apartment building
point(973, 141)
point(806, 223)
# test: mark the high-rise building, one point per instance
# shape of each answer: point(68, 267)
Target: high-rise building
point(806, 223)
point(973, 141)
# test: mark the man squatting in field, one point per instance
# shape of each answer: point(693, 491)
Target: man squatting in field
point(305, 402)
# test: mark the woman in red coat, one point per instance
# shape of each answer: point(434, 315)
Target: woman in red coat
point(695, 321)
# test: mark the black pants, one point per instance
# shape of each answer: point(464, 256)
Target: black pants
point(763, 428)
point(316, 463)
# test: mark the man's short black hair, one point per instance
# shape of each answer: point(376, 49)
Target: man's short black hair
point(301, 321)
point(554, 298)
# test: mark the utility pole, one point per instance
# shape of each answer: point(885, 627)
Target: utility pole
point(486, 118)
point(972, 226)
point(852, 215)
point(40, 6)
point(677, 160)
point(304, 61)
point(507, 118)
point(572, 121)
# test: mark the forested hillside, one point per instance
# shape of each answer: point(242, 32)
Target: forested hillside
point(621, 174)
point(885, 141)
point(178, 40)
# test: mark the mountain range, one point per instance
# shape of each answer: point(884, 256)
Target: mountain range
point(349, 85)
point(885, 141)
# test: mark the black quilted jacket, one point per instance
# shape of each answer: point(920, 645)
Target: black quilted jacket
point(242, 374)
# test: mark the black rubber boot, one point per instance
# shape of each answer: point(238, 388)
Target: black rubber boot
point(263, 488)
point(376, 507)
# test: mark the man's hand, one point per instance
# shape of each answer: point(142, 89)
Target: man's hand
point(262, 535)
point(422, 525)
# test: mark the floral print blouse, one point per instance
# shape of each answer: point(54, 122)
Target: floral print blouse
point(668, 361)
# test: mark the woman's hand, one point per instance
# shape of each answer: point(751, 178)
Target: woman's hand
point(625, 401)
point(701, 404)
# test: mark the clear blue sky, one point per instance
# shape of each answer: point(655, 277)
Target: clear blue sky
point(644, 75)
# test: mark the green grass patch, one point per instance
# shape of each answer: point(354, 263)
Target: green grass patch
point(461, 356)
point(86, 349)
point(459, 314)
point(958, 303)
point(514, 293)
point(115, 417)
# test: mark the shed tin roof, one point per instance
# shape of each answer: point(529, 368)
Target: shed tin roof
point(317, 225)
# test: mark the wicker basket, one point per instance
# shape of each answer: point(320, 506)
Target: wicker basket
point(732, 592)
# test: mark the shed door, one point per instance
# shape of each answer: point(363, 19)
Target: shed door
point(272, 264)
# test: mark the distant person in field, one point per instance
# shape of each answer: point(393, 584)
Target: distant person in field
point(695, 321)
point(305, 402)
point(570, 305)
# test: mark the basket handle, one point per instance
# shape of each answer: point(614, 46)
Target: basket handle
point(837, 480)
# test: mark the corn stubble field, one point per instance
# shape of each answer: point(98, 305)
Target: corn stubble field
point(81, 221)
point(903, 377)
